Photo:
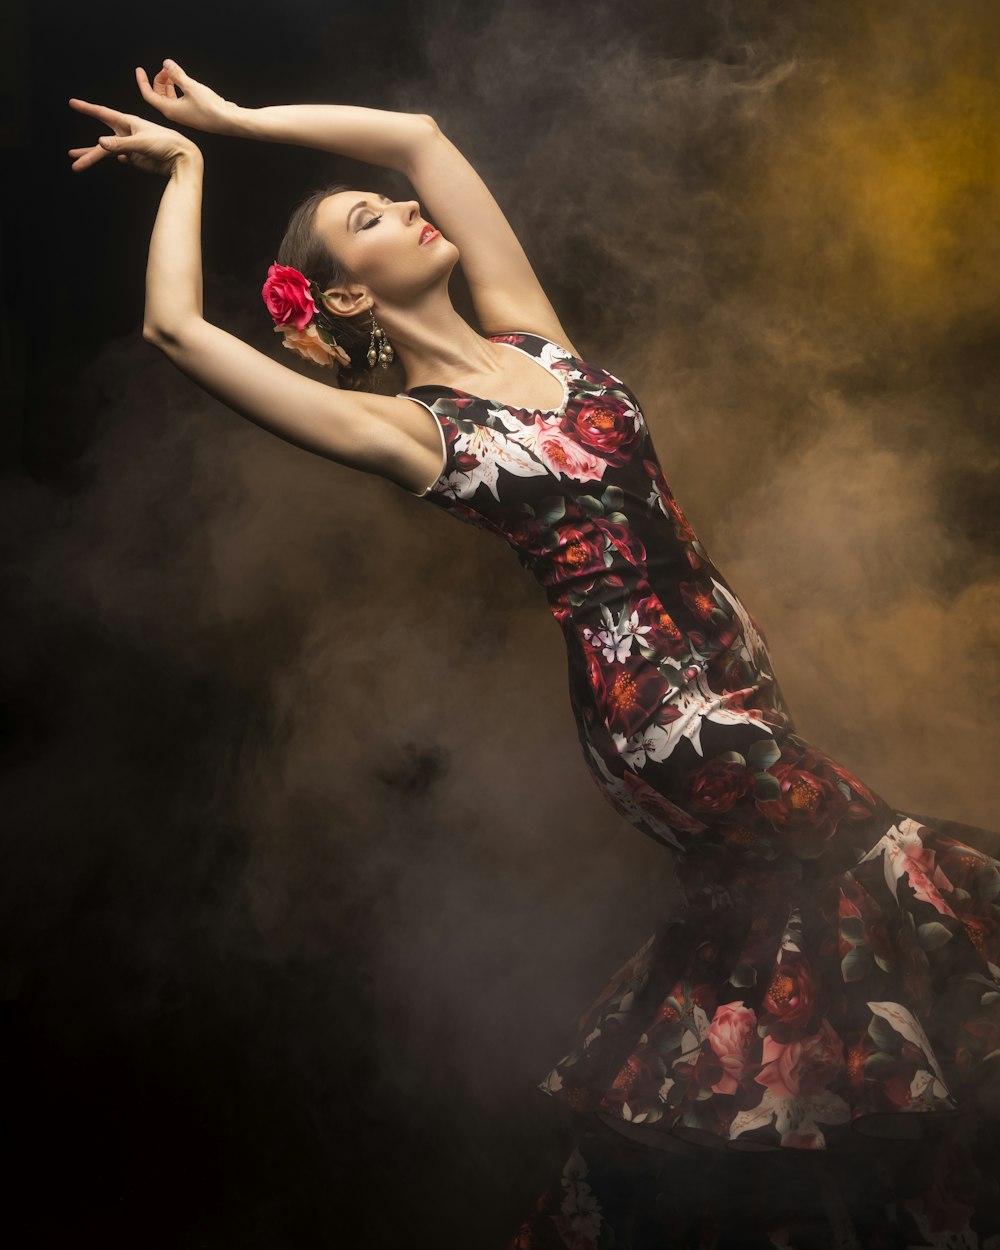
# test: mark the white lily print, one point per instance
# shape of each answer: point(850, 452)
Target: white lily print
point(797, 1118)
point(753, 650)
point(622, 799)
point(494, 451)
point(907, 1025)
point(616, 637)
point(696, 701)
point(901, 848)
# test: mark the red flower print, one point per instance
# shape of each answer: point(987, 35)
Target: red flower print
point(564, 456)
point(849, 779)
point(857, 905)
point(809, 804)
point(681, 527)
point(589, 373)
point(663, 633)
point(732, 1036)
point(637, 1083)
point(791, 996)
point(698, 599)
point(579, 553)
point(718, 785)
point(607, 427)
point(857, 1051)
point(633, 692)
point(628, 544)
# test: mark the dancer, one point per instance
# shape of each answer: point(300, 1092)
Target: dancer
point(809, 1047)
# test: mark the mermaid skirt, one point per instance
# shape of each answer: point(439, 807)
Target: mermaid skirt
point(816, 1064)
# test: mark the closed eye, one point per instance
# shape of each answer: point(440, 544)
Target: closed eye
point(378, 216)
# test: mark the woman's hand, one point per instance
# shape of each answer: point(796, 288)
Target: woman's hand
point(135, 141)
point(199, 107)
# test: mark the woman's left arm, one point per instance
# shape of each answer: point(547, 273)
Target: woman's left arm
point(505, 289)
point(379, 136)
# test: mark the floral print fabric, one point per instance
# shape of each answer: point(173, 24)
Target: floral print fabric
point(835, 961)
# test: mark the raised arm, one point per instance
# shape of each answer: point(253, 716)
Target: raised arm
point(378, 136)
point(505, 290)
point(374, 433)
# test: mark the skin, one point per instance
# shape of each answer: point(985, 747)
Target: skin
point(404, 283)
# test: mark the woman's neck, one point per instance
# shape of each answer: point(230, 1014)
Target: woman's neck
point(434, 344)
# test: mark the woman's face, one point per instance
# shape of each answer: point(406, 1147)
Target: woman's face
point(380, 240)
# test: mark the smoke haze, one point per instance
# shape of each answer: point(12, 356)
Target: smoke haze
point(309, 879)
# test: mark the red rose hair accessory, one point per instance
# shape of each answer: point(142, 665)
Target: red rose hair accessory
point(296, 304)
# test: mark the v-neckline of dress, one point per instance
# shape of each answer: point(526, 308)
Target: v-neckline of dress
point(551, 413)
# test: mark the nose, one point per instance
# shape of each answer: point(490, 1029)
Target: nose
point(411, 211)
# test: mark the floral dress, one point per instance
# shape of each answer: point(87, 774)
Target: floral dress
point(833, 974)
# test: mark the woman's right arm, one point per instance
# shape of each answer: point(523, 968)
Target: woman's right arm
point(364, 431)
point(360, 430)
point(373, 433)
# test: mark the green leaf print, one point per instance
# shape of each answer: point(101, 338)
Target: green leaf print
point(766, 787)
point(763, 754)
point(743, 975)
point(883, 1034)
point(856, 964)
point(932, 935)
point(852, 930)
point(551, 509)
point(880, 1065)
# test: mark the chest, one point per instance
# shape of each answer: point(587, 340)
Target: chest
point(523, 384)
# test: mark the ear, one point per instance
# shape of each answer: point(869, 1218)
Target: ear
point(346, 301)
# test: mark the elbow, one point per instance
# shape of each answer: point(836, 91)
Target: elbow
point(161, 339)
point(165, 337)
point(423, 131)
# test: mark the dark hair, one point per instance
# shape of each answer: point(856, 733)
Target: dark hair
point(304, 249)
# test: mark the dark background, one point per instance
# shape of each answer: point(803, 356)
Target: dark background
point(305, 880)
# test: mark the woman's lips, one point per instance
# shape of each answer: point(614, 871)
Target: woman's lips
point(427, 234)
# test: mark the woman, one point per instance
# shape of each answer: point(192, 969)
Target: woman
point(824, 1010)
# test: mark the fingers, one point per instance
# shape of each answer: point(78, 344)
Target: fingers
point(85, 157)
point(176, 72)
point(145, 90)
point(116, 143)
point(164, 84)
point(110, 116)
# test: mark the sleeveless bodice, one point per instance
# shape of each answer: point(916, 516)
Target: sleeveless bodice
point(663, 655)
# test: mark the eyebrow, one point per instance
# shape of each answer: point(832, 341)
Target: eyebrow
point(364, 204)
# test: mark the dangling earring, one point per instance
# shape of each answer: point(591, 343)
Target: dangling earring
point(379, 349)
